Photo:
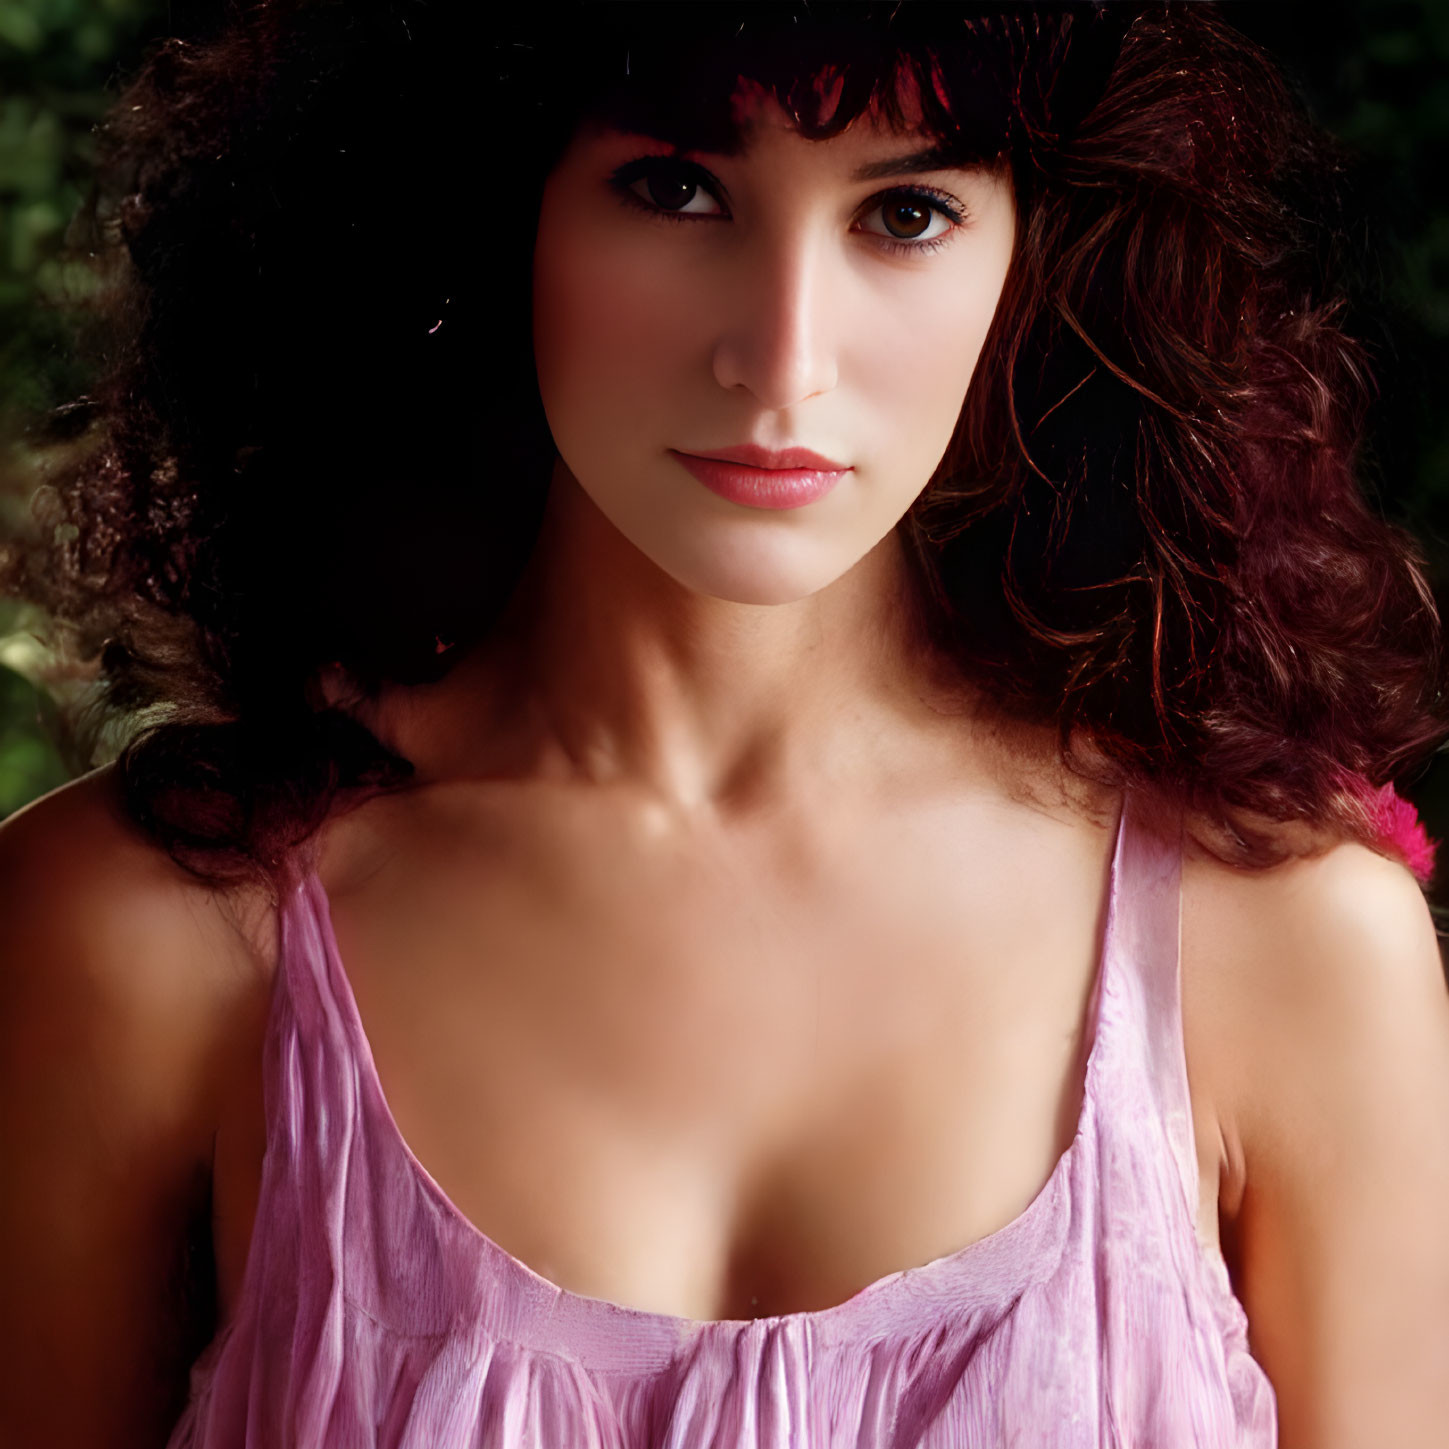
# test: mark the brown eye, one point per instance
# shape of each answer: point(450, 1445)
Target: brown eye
point(906, 219)
point(670, 190)
point(666, 188)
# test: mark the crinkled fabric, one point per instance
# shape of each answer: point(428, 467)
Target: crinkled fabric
point(373, 1313)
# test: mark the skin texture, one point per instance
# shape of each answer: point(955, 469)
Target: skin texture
point(1319, 990)
point(126, 990)
point(775, 313)
point(729, 954)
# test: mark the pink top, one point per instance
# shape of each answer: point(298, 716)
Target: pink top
point(373, 1313)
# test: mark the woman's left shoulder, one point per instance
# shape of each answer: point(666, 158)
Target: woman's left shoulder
point(1311, 944)
point(1316, 1007)
point(1335, 917)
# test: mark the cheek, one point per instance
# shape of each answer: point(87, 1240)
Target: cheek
point(928, 366)
point(915, 370)
point(604, 327)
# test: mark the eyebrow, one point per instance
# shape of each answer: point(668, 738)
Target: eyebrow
point(940, 157)
point(935, 158)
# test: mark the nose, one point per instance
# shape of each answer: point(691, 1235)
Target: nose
point(780, 320)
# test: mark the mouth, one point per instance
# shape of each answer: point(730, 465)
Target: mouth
point(754, 456)
point(789, 484)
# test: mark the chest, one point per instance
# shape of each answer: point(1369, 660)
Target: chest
point(717, 1086)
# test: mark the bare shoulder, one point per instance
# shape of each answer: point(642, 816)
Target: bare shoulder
point(1316, 1005)
point(116, 954)
point(1283, 962)
point(123, 980)
point(96, 911)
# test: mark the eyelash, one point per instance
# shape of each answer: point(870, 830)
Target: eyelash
point(624, 177)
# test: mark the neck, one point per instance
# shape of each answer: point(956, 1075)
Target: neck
point(607, 671)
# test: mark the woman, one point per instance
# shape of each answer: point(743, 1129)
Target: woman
point(649, 911)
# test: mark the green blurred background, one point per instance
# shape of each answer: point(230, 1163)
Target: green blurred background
point(1376, 73)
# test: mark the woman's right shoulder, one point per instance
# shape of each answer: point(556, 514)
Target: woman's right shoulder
point(113, 955)
point(101, 904)
point(124, 985)
point(115, 958)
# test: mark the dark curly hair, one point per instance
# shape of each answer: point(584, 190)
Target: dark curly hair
point(1146, 529)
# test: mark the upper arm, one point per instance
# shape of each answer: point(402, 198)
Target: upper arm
point(107, 1003)
point(1333, 1091)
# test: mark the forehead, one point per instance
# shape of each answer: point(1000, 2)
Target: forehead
point(894, 105)
point(719, 100)
point(886, 141)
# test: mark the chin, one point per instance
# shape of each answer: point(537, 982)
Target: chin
point(753, 585)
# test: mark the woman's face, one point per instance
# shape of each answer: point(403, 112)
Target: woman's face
point(799, 295)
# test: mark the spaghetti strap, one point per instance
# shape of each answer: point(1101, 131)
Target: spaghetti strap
point(1145, 950)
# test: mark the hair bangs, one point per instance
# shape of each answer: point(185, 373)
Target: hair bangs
point(695, 77)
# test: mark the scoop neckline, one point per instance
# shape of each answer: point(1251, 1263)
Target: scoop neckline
point(896, 1299)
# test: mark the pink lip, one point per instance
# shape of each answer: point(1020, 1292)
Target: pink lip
point(757, 457)
point(756, 487)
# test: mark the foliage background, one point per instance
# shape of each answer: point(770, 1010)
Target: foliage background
point(1374, 72)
